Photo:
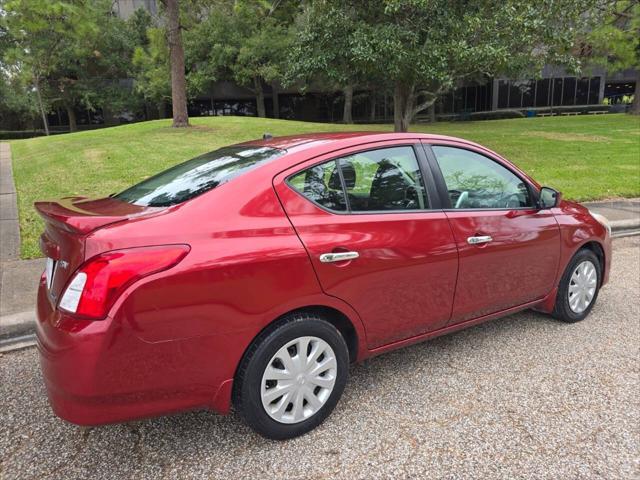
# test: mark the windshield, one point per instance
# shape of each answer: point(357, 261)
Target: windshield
point(197, 176)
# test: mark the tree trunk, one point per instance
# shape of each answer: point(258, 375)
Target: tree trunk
point(348, 104)
point(275, 100)
point(71, 113)
point(635, 107)
point(45, 123)
point(403, 109)
point(372, 106)
point(257, 86)
point(176, 58)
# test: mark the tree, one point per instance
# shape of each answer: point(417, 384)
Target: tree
point(211, 46)
point(73, 53)
point(421, 48)
point(176, 61)
point(263, 49)
point(615, 44)
point(151, 69)
point(18, 105)
point(243, 41)
point(17, 99)
point(324, 51)
point(261, 59)
point(38, 28)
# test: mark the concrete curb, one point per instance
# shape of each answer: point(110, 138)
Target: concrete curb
point(17, 324)
point(17, 343)
point(16, 329)
point(625, 228)
point(624, 225)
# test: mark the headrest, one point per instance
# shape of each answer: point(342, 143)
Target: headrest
point(349, 174)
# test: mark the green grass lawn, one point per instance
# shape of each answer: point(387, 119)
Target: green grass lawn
point(587, 157)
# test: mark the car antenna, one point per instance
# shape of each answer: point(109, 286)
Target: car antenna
point(267, 136)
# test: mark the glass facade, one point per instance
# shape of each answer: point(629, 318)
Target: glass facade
point(478, 96)
point(546, 92)
point(470, 98)
point(618, 92)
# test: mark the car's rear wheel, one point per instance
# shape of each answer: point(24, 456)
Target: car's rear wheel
point(579, 286)
point(292, 377)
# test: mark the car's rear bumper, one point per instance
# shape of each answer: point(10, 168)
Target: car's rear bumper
point(100, 372)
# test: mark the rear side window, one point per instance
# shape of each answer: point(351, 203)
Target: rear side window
point(197, 176)
point(321, 184)
point(384, 179)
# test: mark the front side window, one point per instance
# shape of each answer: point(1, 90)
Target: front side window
point(375, 180)
point(197, 176)
point(475, 181)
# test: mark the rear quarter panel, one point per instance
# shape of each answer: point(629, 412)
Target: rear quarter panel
point(246, 268)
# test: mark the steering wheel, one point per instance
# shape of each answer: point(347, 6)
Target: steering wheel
point(512, 200)
point(464, 196)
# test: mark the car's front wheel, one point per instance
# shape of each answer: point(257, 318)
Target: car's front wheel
point(292, 377)
point(579, 286)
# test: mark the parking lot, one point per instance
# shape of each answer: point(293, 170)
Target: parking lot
point(524, 397)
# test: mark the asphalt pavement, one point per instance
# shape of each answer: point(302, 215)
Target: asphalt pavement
point(521, 397)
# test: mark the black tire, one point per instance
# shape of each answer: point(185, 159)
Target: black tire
point(247, 384)
point(562, 311)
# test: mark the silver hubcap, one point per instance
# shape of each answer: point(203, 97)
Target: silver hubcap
point(582, 286)
point(298, 380)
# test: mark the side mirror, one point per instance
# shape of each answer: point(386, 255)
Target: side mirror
point(548, 198)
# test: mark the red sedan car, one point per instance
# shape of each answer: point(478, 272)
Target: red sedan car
point(254, 274)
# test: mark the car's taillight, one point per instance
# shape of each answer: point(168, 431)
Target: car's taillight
point(98, 282)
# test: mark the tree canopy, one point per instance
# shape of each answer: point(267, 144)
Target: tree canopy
point(421, 48)
point(76, 53)
point(242, 41)
point(615, 43)
point(73, 52)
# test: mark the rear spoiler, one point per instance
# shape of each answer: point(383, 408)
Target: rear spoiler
point(80, 215)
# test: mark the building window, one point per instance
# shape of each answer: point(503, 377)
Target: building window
point(582, 92)
point(528, 93)
point(594, 90)
point(569, 91)
point(557, 91)
point(542, 92)
point(458, 100)
point(515, 96)
point(503, 94)
point(471, 98)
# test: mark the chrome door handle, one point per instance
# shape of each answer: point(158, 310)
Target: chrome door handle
point(480, 239)
point(338, 257)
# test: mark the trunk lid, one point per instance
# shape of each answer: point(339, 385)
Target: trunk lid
point(68, 223)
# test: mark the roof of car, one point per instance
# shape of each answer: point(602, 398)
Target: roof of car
point(309, 140)
point(326, 142)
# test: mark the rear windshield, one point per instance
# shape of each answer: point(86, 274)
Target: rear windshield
point(197, 176)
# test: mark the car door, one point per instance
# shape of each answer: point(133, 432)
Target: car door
point(365, 218)
point(509, 249)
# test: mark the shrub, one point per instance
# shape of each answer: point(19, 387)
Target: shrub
point(497, 115)
point(19, 134)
